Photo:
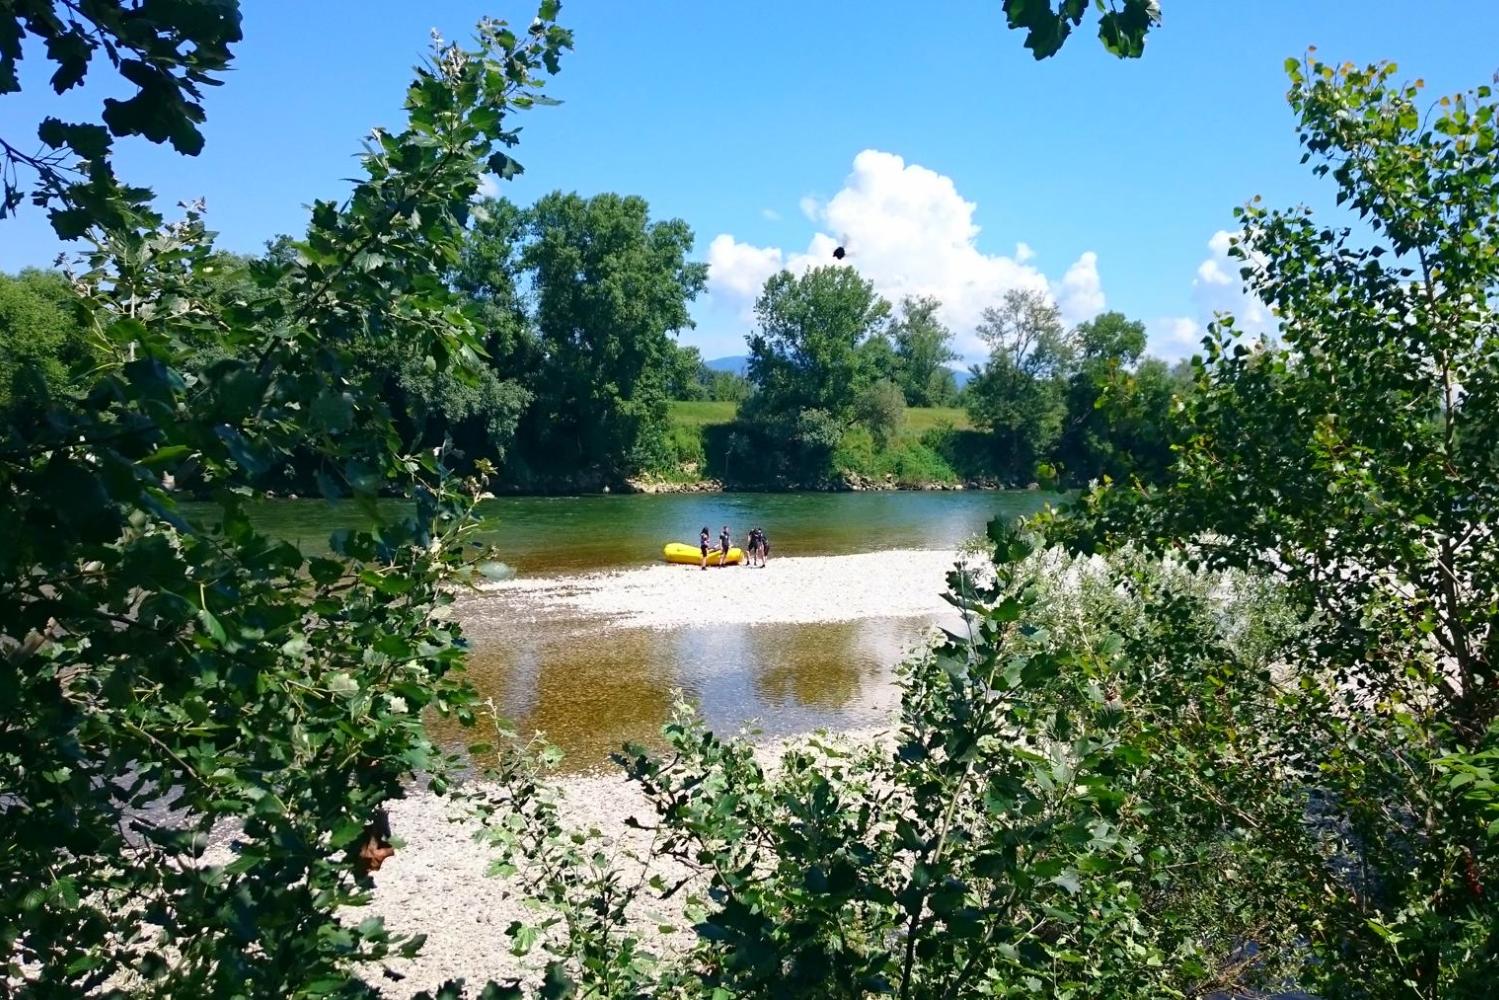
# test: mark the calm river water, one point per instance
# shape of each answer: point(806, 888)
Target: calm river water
point(591, 687)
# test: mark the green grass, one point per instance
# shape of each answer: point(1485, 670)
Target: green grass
point(924, 418)
point(701, 413)
point(908, 458)
point(918, 418)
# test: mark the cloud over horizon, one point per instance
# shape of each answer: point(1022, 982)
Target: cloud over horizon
point(909, 231)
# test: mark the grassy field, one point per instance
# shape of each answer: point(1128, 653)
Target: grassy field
point(924, 418)
point(698, 427)
point(701, 413)
point(918, 418)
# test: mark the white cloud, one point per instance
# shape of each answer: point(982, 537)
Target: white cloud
point(488, 186)
point(1219, 288)
point(737, 271)
point(1174, 337)
point(909, 231)
point(770, 215)
point(1080, 293)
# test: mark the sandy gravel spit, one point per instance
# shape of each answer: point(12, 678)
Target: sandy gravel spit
point(438, 882)
point(796, 590)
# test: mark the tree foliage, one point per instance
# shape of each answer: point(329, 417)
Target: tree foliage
point(166, 672)
point(168, 51)
point(924, 346)
point(805, 353)
point(1119, 421)
point(1122, 24)
point(45, 350)
point(1354, 462)
point(611, 289)
point(882, 409)
point(1017, 395)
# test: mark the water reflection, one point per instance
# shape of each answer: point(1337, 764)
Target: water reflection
point(591, 687)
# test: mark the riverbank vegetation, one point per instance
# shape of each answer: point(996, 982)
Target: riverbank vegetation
point(576, 387)
point(1230, 725)
point(832, 369)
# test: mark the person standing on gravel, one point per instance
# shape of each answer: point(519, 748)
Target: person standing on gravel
point(703, 543)
point(723, 545)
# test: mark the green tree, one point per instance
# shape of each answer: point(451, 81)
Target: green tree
point(1353, 461)
point(1117, 405)
point(882, 409)
point(878, 361)
point(689, 378)
point(1018, 395)
point(924, 346)
point(805, 353)
point(164, 669)
point(1122, 24)
point(728, 387)
point(45, 350)
point(612, 287)
point(492, 276)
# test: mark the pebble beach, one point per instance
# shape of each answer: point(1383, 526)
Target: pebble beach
point(437, 883)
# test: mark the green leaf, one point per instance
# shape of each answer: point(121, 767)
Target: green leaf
point(212, 626)
point(166, 454)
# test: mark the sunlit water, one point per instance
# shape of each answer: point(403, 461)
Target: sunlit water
point(591, 686)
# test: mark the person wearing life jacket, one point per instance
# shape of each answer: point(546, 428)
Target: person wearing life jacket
point(703, 544)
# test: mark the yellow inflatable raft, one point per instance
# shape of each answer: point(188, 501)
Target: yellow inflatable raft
point(676, 552)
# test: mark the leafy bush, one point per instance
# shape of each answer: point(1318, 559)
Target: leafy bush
point(164, 672)
point(1062, 813)
point(882, 409)
point(680, 454)
point(968, 452)
point(909, 462)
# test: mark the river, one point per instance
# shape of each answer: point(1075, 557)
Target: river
point(591, 683)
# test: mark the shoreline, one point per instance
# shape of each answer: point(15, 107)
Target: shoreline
point(638, 486)
point(793, 590)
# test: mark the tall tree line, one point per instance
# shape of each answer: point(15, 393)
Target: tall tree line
point(1072, 404)
point(1051, 402)
point(577, 302)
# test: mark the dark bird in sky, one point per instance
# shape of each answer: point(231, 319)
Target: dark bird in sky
point(839, 254)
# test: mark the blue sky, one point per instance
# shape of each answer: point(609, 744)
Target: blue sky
point(947, 159)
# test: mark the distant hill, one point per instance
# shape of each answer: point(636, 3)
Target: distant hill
point(738, 364)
